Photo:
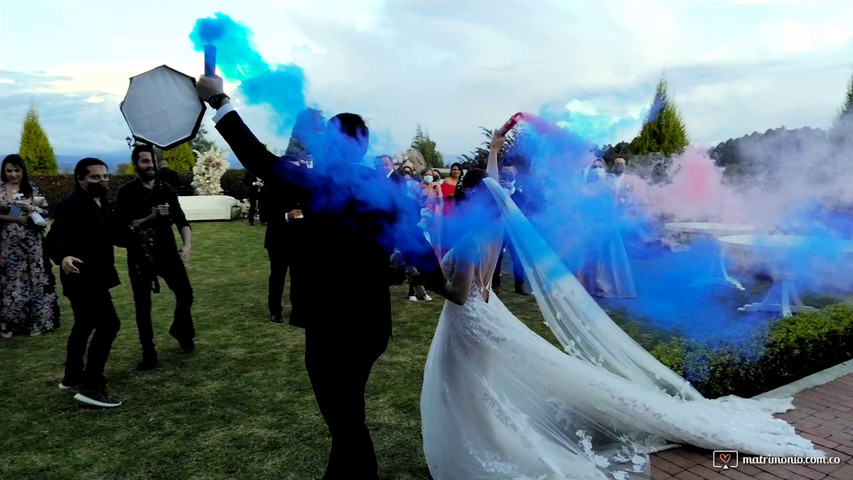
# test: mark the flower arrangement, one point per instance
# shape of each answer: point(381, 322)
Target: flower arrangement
point(208, 171)
point(243, 208)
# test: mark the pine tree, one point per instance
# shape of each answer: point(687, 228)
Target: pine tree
point(847, 109)
point(422, 143)
point(663, 131)
point(842, 127)
point(35, 148)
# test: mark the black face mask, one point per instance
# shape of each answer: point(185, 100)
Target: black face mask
point(619, 169)
point(96, 189)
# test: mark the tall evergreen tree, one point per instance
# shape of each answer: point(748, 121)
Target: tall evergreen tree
point(842, 127)
point(847, 108)
point(35, 148)
point(663, 131)
point(422, 143)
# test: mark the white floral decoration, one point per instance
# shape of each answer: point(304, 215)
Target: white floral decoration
point(208, 171)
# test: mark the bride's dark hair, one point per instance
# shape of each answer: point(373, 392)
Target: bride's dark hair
point(471, 179)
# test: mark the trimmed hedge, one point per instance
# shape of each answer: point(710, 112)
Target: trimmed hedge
point(54, 187)
point(792, 348)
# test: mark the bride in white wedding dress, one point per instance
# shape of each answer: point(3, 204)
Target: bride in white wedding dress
point(501, 402)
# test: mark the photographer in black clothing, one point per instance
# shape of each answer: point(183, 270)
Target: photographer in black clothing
point(146, 209)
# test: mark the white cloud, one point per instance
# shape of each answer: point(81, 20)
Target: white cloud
point(733, 66)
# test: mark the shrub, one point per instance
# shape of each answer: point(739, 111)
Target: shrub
point(792, 348)
point(232, 184)
point(54, 187)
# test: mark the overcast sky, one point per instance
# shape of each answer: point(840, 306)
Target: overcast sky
point(733, 67)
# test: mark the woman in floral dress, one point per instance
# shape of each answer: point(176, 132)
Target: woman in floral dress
point(28, 299)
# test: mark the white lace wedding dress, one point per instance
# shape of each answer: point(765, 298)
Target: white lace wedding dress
point(501, 402)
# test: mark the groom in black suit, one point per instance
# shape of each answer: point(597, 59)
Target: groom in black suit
point(353, 217)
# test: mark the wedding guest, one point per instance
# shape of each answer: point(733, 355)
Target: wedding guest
point(29, 304)
point(81, 242)
point(167, 175)
point(448, 187)
point(253, 191)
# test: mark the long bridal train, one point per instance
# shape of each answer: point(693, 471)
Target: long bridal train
point(501, 402)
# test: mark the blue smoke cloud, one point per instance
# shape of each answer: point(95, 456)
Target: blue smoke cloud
point(572, 211)
point(282, 87)
point(578, 214)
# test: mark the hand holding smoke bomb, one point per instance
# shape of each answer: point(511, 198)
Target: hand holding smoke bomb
point(506, 127)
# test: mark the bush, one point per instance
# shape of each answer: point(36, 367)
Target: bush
point(793, 348)
point(232, 183)
point(54, 187)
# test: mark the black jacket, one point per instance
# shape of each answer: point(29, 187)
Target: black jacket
point(84, 230)
point(134, 201)
point(352, 222)
point(169, 176)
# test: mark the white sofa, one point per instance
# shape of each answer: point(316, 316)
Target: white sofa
point(209, 207)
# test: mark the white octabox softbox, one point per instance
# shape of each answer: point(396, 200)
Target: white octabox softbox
point(161, 107)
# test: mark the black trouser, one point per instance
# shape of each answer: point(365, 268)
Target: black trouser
point(92, 311)
point(339, 364)
point(279, 261)
point(171, 269)
point(517, 267)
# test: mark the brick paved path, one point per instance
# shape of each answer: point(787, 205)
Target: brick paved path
point(823, 414)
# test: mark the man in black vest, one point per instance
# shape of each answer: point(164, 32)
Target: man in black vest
point(146, 209)
point(352, 219)
point(81, 242)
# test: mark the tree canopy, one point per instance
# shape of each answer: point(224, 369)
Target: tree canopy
point(35, 148)
point(663, 131)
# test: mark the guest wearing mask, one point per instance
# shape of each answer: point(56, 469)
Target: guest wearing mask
point(81, 242)
point(518, 193)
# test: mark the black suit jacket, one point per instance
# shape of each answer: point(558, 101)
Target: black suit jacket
point(169, 176)
point(351, 224)
point(84, 230)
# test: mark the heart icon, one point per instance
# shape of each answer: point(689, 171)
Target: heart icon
point(725, 457)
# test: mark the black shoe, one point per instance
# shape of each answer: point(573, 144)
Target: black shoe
point(97, 399)
point(276, 319)
point(187, 344)
point(149, 362)
point(522, 290)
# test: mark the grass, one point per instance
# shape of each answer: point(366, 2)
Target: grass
point(239, 407)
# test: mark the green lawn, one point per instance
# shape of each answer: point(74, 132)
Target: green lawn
point(238, 407)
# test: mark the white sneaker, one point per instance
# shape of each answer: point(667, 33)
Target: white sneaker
point(413, 298)
point(427, 298)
